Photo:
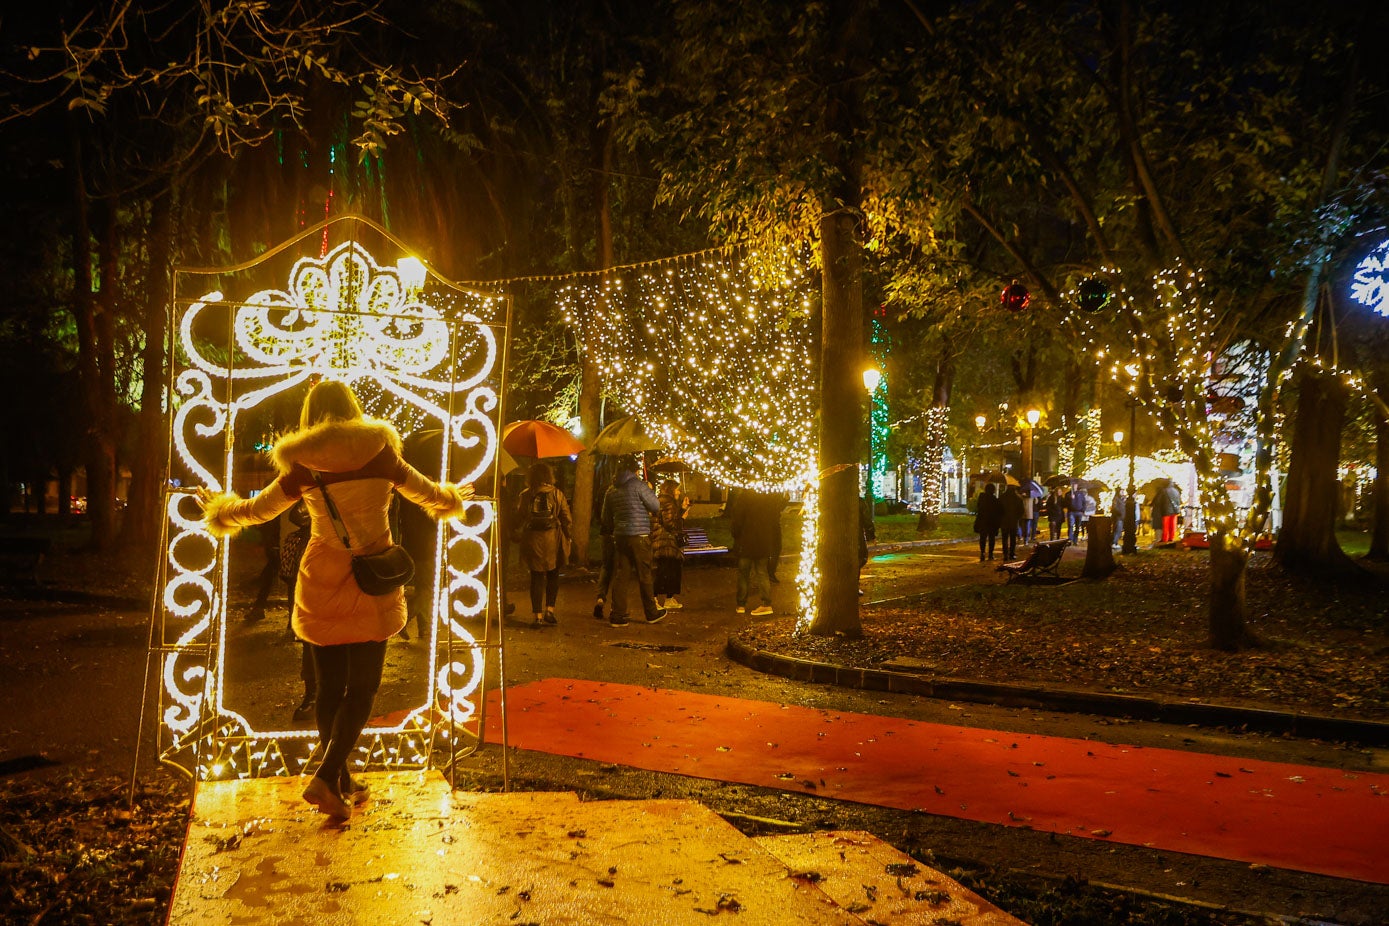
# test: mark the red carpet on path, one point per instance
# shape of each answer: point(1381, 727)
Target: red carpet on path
point(1289, 816)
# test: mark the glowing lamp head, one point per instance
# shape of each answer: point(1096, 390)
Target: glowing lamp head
point(1118, 437)
point(871, 378)
point(980, 421)
point(1033, 416)
point(411, 272)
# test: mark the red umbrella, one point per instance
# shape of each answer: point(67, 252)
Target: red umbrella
point(539, 439)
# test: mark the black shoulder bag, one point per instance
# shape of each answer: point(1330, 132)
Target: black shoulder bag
point(376, 573)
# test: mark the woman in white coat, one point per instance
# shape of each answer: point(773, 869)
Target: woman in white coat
point(358, 459)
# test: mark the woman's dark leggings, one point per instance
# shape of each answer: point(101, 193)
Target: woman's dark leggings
point(544, 590)
point(348, 676)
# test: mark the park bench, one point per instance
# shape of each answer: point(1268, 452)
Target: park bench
point(697, 543)
point(1044, 560)
point(20, 558)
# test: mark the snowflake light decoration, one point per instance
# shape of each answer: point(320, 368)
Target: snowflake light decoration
point(1371, 283)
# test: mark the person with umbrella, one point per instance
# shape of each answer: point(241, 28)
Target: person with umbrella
point(1077, 503)
point(1055, 508)
point(986, 520)
point(630, 505)
point(1117, 510)
point(544, 523)
point(1011, 512)
point(667, 531)
point(1167, 503)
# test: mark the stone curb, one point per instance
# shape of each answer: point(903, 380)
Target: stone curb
point(1137, 707)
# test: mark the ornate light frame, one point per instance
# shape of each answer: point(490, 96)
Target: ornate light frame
point(420, 351)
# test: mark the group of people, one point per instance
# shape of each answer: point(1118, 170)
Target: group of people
point(1013, 515)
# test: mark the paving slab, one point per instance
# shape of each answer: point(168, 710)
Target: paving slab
point(871, 879)
point(418, 853)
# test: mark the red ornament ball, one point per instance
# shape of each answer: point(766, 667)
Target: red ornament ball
point(1015, 297)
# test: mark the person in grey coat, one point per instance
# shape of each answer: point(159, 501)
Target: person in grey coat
point(629, 506)
point(755, 522)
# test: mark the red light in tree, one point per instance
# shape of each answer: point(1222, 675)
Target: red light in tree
point(1015, 297)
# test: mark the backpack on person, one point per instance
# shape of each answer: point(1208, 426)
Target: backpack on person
point(542, 515)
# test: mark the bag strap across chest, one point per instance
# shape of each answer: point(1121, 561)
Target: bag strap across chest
point(339, 527)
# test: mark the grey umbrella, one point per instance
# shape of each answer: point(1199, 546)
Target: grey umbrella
point(624, 435)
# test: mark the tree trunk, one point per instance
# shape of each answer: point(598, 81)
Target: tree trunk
point(590, 386)
point(1099, 553)
point(934, 450)
point(140, 527)
point(1379, 533)
point(1307, 541)
point(841, 352)
point(99, 450)
point(1228, 567)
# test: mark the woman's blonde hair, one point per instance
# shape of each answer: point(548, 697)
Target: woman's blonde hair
point(330, 400)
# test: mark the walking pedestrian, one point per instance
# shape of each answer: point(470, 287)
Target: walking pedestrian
point(1118, 510)
point(1010, 519)
point(265, 581)
point(986, 520)
point(1056, 513)
point(336, 445)
point(1027, 527)
point(667, 545)
point(294, 538)
point(1076, 502)
point(754, 523)
point(607, 547)
point(544, 522)
point(630, 506)
point(782, 500)
point(1167, 504)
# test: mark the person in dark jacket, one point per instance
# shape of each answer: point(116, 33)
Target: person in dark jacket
point(1167, 504)
point(1077, 500)
point(986, 520)
point(608, 545)
point(1056, 512)
point(1010, 509)
point(629, 506)
point(667, 529)
point(755, 523)
point(543, 522)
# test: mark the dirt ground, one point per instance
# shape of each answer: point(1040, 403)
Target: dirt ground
point(75, 660)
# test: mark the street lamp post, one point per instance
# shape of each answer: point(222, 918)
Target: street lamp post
point(1033, 416)
point(872, 376)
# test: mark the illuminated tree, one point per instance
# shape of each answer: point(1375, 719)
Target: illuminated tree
point(1143, 140)
point(786, 129)
point(136, 100)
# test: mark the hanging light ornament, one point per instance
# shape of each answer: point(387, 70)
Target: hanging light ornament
point(1094, 295)
point(1015, 297)
point(1371, 284)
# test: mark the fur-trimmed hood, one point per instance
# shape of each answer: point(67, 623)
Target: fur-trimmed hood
point(335, 446)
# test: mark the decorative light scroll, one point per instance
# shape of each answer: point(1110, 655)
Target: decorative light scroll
point(418, 352)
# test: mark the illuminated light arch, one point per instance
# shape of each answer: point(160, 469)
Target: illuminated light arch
point(419, 351)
